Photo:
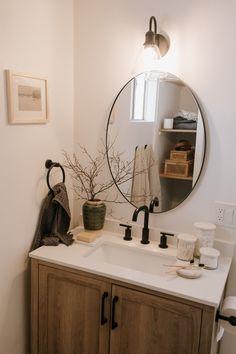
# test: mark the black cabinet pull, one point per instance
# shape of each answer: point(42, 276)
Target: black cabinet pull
point(114, 324)
point(103, 318)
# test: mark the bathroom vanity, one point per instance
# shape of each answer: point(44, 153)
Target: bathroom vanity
point(89, 299)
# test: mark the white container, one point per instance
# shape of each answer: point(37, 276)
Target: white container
point(168, 123)
point(205, 233)
point(209, 257)
point(185, 246)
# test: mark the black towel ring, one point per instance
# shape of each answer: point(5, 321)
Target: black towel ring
point(50, 164)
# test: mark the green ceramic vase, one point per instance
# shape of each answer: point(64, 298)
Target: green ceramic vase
point(94, 212)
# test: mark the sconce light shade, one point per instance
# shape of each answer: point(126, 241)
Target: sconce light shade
point(155, 43)
point(154, 48)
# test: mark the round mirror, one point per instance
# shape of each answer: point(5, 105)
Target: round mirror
point(155, 138)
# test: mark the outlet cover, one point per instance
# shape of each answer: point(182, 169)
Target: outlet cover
point(225, 214)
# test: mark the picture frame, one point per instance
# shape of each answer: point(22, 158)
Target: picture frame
point(27, 97)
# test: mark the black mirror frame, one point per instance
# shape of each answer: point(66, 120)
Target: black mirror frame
point(205, 143)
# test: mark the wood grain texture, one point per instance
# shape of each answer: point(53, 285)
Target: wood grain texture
point(66, 314)
point(69, 316)
point(151, 325)
point(208, 332)
point(34, 307)
point(123, 284)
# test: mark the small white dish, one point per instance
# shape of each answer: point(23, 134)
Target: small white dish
point(189, 272)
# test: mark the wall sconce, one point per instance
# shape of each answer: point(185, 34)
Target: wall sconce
point(156, 45)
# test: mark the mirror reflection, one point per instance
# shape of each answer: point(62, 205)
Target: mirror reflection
point(156, 124)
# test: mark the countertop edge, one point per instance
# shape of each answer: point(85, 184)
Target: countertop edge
point(131, 281)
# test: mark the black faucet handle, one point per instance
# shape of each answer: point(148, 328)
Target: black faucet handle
point(163, 239)
point(127, 236)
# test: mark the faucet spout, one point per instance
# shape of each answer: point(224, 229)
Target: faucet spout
point(145, 231)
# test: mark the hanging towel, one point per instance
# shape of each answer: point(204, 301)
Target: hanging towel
point(140, 186)
point(146, 180)
point(54, 219)
point(154, 177)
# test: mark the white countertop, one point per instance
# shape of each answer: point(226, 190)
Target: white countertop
point(207, 289)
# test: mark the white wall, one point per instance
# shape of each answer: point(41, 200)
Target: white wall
point(108, 36)
point(35, 37)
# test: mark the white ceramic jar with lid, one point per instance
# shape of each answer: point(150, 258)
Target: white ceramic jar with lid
point(209, 257)
point(185, 246)
point(205, 233)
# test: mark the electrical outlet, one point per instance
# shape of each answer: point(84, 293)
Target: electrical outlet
point(225, 214)
point(219, 214)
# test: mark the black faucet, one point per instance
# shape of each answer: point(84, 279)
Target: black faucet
point(153, 203)
point(145, 231)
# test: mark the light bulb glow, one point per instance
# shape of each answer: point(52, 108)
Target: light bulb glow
point(150, 57)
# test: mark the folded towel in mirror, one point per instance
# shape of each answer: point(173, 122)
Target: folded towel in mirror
point(187, 115)
point(185, 124)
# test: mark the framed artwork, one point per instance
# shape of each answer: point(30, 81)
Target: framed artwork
point(27, 98)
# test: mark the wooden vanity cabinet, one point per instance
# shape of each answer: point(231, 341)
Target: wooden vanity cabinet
point(76, 312)
point(152, 324)
point(69, 313)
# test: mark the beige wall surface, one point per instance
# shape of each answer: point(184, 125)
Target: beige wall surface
point(108, 37)
point(35, 37)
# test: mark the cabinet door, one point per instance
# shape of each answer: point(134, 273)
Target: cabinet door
point(70, 313)
point(148, 324)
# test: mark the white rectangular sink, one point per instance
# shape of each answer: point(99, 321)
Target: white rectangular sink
point(131, 258)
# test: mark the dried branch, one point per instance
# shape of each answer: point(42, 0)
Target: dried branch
point(87, 175)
